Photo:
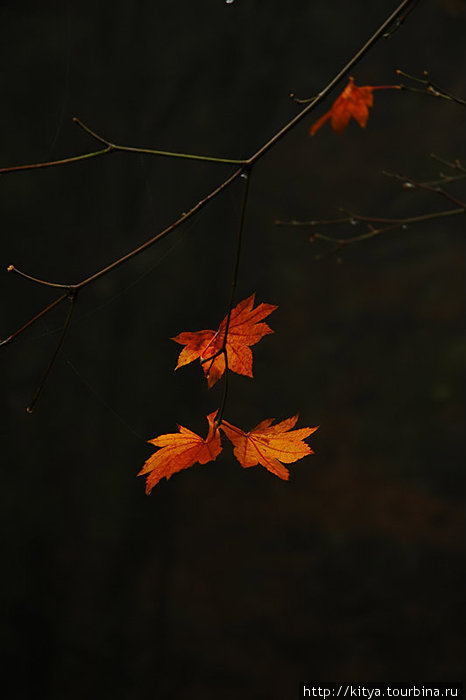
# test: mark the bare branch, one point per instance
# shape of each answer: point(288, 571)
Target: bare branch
point(456, 165)
point(409, 183)
point(429, 88)
point(372, 232)
point(247, 165)
point(113, 147)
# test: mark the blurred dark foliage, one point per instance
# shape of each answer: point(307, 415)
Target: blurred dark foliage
point(227, 582)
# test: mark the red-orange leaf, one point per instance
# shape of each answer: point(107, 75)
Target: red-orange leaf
point(353, 102)
point(246, 328)
point(269, 445)
point(180, 451)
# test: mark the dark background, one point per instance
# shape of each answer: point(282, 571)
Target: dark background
point(228, 582)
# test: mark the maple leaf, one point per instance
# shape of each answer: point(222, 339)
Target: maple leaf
point(180, 451)
point(269, 445)
point(353, 102)
point(245, 329)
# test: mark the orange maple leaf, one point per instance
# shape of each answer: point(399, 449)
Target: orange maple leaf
point(245, 329)
point(180, 451)
point(353, 102)
point(269, 445)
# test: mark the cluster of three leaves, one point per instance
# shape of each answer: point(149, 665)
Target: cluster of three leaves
point(267, 444)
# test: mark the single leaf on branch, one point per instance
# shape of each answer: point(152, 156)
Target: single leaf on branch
point(245, 328)
point(269, 445)
point(180, 451)
point(354, 102)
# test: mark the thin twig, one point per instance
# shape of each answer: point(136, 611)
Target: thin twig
point(409, 183)
point(445, 179)
point(436, 190)
point(304, 101)
point(37, 393)
point(350, 219)
point(12, 268)
point(111, 147)
point(246, 176)
point(430, 87)
point(391, 225)
point(401, 19)
point(456, 165)
point(50, 163)
point(155, 152)
point(35, 318)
